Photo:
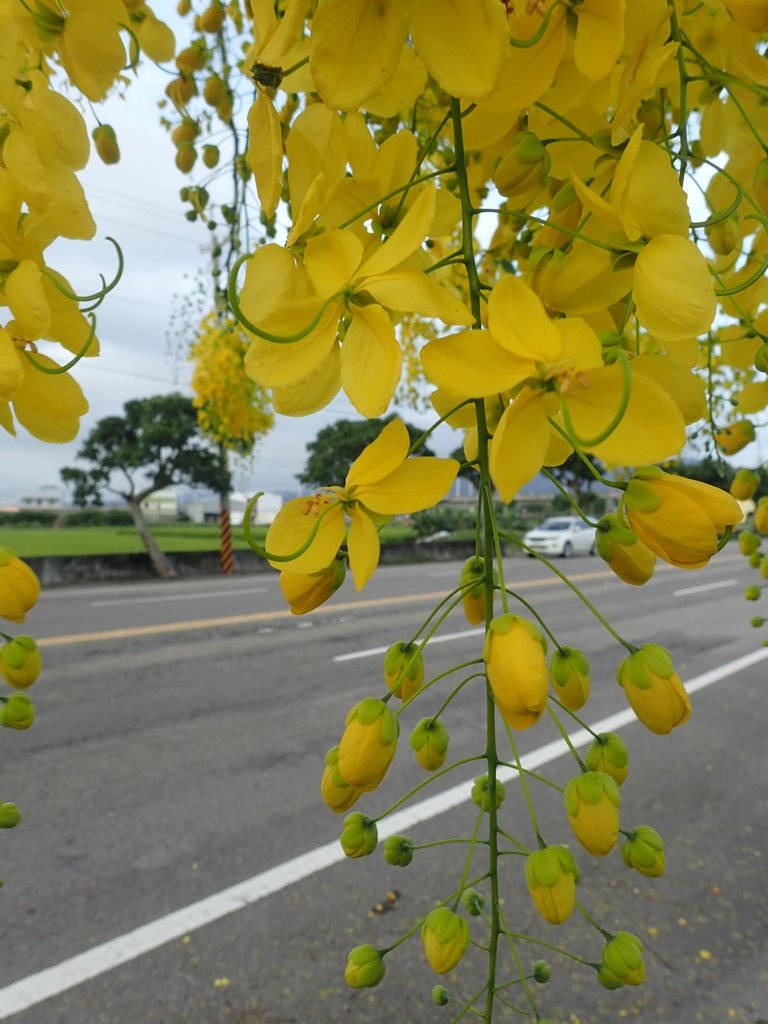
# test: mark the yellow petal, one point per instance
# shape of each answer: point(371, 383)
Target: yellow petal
point(25, 295)
point(293, 525)
point(11, 369)
point(410, 291)
point(520, 445)
point(518, 321)
point(270, 282)
point(401, 91)
point(405, 239)
point(580, 345)
point(92, 52)
point(265, 151)
point(651, 429)
point(586, 281)
point(381, 457)
point(688, 391)
point(415, 485)
point(312, 393)
point(673, 291)
point(599, 37)
point(331, 259)
point(652, 201)
point(363, 544)
point(48, 406)
point(471, 364)
point(594, 203)
point(753, 397)
point(356, 48)
point(371, 361)
point(462, 42)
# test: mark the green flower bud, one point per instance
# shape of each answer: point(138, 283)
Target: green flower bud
point(761, 359)
point(105, 143)
point(20, 662)
point(757, 622)
point(608, 753)
point(404, 669)
point(440, 995)
point(17, 712)
point(359, 836)
point(445, 937)
point(550, 875)
point(365, 967)
point(620, 548)
point(472, 577)
point(398, 851)
point(429, 740)
point(761, 516)
point(763, 567)
point(10, 815)
point(481, 793)
point(473, 902)
point(644, 851)
point(569, 671)
point(744, 484)
point(755, 559)
point(622, 961)
point(748, 542)
point(752, 593)
point(542, 971)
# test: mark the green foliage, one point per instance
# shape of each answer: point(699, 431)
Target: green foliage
point(155, 444)
point(338, 445)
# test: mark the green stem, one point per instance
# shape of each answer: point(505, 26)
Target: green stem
point(564, 734)
point(54, 371)
point(496, 540)
point(575, 717)
point(537, 616)
point(626, 390)
point(395, 192)
point(427, 782)
point(574, 505)
point(468, 859)
point(261, 551)
point(606, 934)
point(532, 774)
point(524, 786)
point(277, 339)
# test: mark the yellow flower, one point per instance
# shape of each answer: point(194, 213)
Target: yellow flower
point(429, 741)
point(514, 655)
point(644, 851)
point(550, 875)
point(608, 753)
point(19, 587)
point(654, 689)
point(673, 290)
point(381, 482)
point(48, 405)
point(404, 669)
point(445, 936)
point(368, 744)
point(680, 520)
point(11, 369)
point(735, 436)
point(336, 793)
point(592, 801)
point(744, 484)
point(472, 578)
point(761, 516)
point(20, 662)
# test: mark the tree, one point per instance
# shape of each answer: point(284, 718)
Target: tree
point(337, 446)
point(155, 444)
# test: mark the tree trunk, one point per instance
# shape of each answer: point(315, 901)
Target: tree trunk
point(160, 563)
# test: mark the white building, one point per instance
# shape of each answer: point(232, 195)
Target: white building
point(206, 510)
point(162, 505)
point(49, 496)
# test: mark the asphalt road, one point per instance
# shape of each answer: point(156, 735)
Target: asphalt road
point(177, 753)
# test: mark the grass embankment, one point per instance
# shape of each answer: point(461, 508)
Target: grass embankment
point(71, 541)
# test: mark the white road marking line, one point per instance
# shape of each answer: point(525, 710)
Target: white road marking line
point(704, 586)
point(169, 598)
point(304, 625)
point(27, 992)
point(265, 629)
point(370, 651)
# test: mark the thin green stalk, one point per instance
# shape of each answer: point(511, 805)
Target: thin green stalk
point(468, 858)
point(606, 934)
point(566, 737)
point(437, 678)
point(574, 505)
point(575, 717)
point(496, 542)
point(524, 787)
point(426, 782)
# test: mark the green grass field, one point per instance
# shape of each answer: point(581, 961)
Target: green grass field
point(36, 542)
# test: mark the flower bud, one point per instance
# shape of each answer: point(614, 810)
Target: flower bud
point(367, 744)
point(521, 173)
point(472, 578)
point(622, 961)
point(360, 836)
point(752, 593)
point(398, 851)
point(212, 17)
point(473, 902)
point(186, 155)
point(19, 587)
point(620, 549)
point(210, 155)
point(763, 567)
point(514, 654)
point(542, 971)
point(306, 591)
point(481, 793)
point(550, 875)
point(608, 753)
point(10, 815)
point(429, 740)
point(680, 520)
point(20, 662)
point(653, 689)
point(757, 621)
point(336, 793)
point(760, 176)
point(17, 712)
point(365, 967)
point(445, 937)
point(105, 142)
point(440, 995)
point(569, 671)
point(404, 669)
point(761, 516)
point(644, 851)
point(592, 801)
point(735, 436)
point(724, 235)
point(748, 543)
point(744, 484)
point(761, 358)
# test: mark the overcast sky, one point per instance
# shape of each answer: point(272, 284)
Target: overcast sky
point(137, 202)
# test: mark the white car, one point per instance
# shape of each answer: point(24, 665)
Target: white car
point(563, 536)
